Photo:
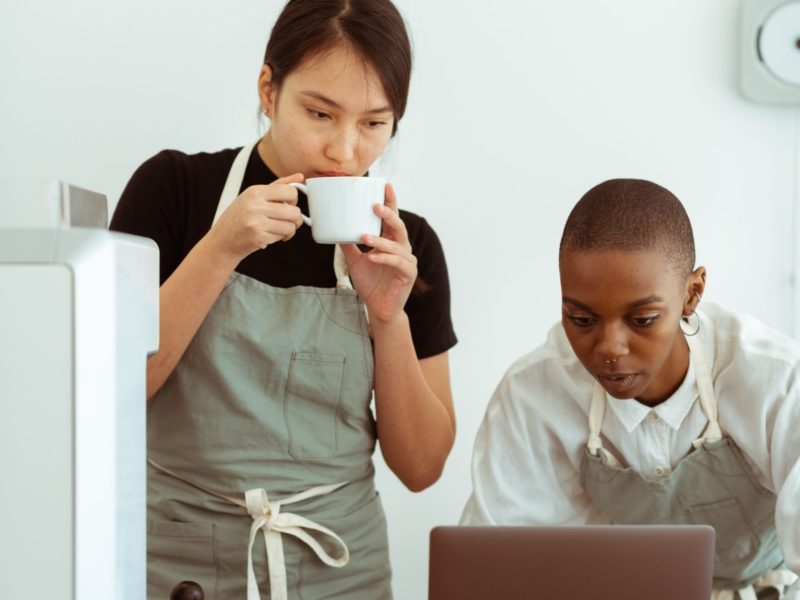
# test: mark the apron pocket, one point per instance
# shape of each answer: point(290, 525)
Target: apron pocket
point(178, 552)
point(313, 394)
point(735, 541)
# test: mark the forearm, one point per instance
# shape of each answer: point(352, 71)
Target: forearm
point(416, 425)
point(185, 299)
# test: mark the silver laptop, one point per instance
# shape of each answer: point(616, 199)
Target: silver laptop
point(619, 562)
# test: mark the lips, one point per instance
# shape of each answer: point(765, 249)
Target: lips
point(617, 383)
point(332, 174)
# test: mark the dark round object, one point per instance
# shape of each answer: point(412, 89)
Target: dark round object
point(187, 590)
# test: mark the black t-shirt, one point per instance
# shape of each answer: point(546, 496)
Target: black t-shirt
point(172, 198)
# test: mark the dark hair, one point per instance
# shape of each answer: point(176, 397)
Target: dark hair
point(631, 215)
point(373, 28)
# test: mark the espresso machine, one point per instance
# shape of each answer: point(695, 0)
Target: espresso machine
point(78, 318)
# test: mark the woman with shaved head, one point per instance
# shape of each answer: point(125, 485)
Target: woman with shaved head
point(643, 408)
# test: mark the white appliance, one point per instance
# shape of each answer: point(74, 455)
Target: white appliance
point(78, 317)
point(769, 51)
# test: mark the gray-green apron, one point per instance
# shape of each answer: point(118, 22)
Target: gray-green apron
point(269, 406)
point(712, 485)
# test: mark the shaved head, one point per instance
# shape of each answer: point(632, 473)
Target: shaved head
point(631, 215)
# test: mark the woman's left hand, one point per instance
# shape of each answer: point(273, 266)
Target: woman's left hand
point(384, 275)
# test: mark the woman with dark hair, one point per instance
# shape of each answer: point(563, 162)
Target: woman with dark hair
point(259, 417)
point(642, 407)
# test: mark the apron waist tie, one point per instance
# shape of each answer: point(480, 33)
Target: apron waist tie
point(268, 518)
point(779, 579)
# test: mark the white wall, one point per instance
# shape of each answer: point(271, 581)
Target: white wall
point(516, 109)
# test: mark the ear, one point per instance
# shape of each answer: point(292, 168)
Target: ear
point(267, 92)
point(695, 287)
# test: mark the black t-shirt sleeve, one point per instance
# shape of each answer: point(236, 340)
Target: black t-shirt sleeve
point(149, 207)
point(428, 309)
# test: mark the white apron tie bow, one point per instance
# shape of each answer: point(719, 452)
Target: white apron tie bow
point(267, 517)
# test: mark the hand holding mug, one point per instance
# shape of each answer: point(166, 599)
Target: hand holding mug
point(384, 276)
point(259, 216)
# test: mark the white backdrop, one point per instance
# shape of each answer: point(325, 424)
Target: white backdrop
point(516, 109)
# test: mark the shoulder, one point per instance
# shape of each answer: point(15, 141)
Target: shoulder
point(179, 165)
point(755, 377)
point(736, 336)
point(754, 367)
point(548, 384)
point(171, 199)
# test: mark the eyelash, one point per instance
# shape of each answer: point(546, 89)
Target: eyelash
point(319, 115)
point(640, 322)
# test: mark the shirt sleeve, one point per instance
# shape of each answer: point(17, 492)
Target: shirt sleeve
point(521, 473)
point(428, 306)
point(149, 207)
point(758, 388)
point(785, 452)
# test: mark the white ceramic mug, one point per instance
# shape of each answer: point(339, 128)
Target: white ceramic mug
point(341, 208)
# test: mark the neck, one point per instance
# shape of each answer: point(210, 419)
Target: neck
point(671, 376)
point(267, 153)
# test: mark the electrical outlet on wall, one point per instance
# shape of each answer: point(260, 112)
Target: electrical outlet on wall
point(770, 51)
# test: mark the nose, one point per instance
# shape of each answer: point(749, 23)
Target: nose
point(342, 145)
point(612, 342)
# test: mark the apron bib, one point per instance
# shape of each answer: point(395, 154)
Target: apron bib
point(712, 485)
point(264, 432)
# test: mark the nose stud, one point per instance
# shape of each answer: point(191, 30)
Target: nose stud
point(609, 362)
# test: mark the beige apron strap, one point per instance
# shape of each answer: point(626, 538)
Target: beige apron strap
point(267, 517)
point(597, 412)
point(747, 593)
point(779, 579)
point(199, 486)
point(341, 270)
point(343, 275)
point(708, 399)
point(234, 180)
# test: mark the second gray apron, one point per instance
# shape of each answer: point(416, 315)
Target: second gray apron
point(712, 485)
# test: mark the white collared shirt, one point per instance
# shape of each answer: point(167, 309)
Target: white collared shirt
point(528, 451)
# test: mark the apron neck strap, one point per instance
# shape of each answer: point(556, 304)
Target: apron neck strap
point(341, 270)
point(234, 181)
point(708, 398)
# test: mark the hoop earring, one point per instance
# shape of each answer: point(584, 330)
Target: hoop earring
point(686, 320)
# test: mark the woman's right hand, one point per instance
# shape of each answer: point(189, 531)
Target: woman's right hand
point(258, 217)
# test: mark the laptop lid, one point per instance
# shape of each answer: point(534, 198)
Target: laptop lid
point(619, 562)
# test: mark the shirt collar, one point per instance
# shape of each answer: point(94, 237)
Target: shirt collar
point(672, 411)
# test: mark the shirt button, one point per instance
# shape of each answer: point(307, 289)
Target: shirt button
point(653, 417)
point(660, 471)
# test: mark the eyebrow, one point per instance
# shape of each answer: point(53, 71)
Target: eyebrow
point(332, 103)
point(635, 304)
